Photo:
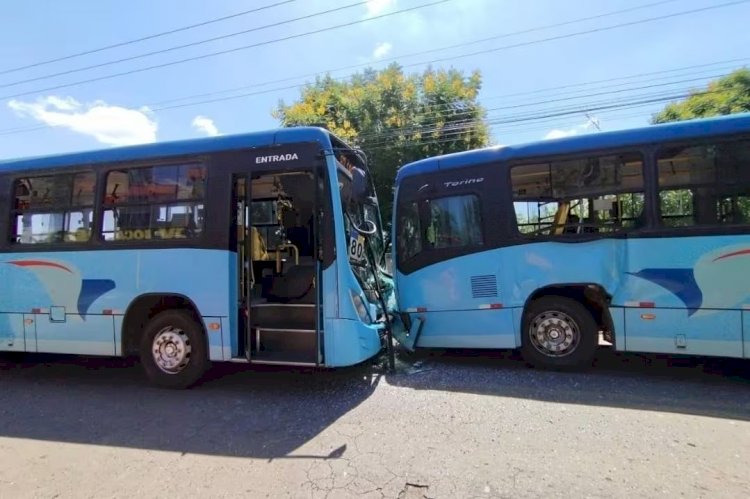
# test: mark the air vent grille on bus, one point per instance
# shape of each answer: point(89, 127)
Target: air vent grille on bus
point(483, 286)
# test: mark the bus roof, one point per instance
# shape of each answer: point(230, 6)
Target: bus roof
point(675, 131)
point(173, 148)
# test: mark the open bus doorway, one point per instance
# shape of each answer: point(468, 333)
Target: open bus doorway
point(278, 239)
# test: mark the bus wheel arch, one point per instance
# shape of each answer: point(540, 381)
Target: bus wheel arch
point(172, 323)
point(580, 310)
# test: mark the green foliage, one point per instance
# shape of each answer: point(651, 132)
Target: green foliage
point(395, 118)
point(727, 95)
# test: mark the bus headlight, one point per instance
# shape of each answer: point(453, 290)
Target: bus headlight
point(360, 307)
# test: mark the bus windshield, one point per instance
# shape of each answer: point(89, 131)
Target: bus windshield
point(361, 216)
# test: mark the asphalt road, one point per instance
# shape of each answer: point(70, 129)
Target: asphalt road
point(445, 425)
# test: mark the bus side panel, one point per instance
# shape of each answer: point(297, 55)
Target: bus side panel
point(531, 267)
point(72, 295)
point(685, 294)
point(89, 335)
point(746, 334)
point(230, 326)
point(118, 320)
point(470, 286)
point(468, 329)
point(669, 331)
point(12, 337)
point(201, 276)
point(618, 323)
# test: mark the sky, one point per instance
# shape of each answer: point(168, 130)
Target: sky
point(540, 62)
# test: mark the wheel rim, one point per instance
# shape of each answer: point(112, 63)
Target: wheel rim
point(171, 350)
point(554, 334)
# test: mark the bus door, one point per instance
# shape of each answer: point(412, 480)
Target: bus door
point(276, 222)
point(447, 282)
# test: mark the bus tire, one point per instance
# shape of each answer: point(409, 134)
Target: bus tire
point(558, 333)
point(173, 350)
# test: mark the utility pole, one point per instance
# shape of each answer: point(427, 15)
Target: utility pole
point(593, 121)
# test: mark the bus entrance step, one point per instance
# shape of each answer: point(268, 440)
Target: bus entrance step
point(283, 316)
point(284, 345)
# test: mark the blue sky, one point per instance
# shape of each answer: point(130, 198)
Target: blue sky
point(127, 109)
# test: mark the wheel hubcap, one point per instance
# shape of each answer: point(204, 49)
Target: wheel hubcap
point(554, 334)
point(171, 350)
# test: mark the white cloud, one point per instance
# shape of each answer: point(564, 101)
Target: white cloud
point(205, 125)
point(111, 125)
point(381, 50)
point(557, 133)
point(377, 7)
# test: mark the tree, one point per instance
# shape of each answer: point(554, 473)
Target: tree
point(395, 118)
point(727, 95)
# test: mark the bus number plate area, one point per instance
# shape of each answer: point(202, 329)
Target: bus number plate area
point(357, 248)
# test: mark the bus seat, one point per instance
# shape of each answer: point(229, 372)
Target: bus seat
point(571, 226)
point(258, 244)
point(640, 221)
point(299, 237)
point(81, 235)
point(561, 217)
point(295, 286)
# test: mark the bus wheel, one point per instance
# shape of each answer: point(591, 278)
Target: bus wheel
point(173, 350)
point(558, 333)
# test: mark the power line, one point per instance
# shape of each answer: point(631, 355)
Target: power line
point(586, 32)
point(183, 46)
point(552, 91)
point(421, 128)
point(155, 107)
point(471, 54)
point(228, 51)
point(144, 38)
point(424, 52)
point(468, 125)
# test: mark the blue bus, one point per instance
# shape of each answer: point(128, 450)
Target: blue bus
point(637, 238)
point(260, 248)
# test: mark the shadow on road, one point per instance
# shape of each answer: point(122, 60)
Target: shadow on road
point(237, 411)
point(270, 412)
point(696, 386)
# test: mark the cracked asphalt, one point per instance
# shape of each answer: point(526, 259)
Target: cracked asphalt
point(458, 424)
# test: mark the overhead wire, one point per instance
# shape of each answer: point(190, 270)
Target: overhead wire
point(460, 56)
point(185, 45)
point(423, 52)
point(3, 132)
point(227, 51)
point(145, 38)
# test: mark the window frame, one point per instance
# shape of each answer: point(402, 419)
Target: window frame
point(424, 217)
point(95, 242)
point(451, 251)
point(11, 212)
point(491, 195)
point(692, 230)
point(525, 238)
point(142, 164)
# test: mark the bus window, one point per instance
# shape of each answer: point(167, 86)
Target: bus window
point(54, 208)
point(705, 185)
point(409, 236)
point(154, 203)
point(597, 194)
point(454, 222)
